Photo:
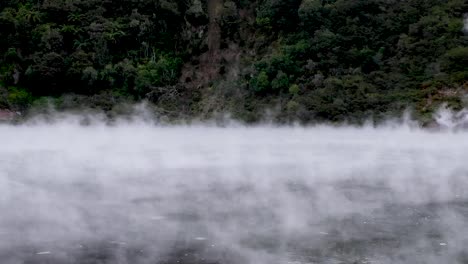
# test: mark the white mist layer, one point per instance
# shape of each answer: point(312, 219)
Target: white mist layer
point(264, 195)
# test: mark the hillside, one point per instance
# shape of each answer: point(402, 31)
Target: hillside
point(291, 60)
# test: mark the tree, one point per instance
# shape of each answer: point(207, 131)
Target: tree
point(161, 72)
point(278, 14)
point(260, 82)
point(281, 81)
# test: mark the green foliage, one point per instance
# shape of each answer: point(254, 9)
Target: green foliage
point(230, 12)
point(11, 55)
point(264, 22)
point(294, 89)
point(281, 81)
point(90, 75)
point(328, 59)
point(120, 75)
point(19, 97)
point(260, 82)
point(162, 72)
point(195, 13)
point(310, 13)
point(456, 59)
point(277, 14)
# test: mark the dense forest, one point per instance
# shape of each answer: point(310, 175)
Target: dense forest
point(290, 60)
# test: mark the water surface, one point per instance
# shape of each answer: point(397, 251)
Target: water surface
point(136, 193)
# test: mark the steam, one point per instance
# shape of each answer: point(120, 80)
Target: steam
point(135, 192)
point(447, 119)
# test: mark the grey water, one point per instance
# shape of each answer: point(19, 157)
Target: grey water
point(138, 193)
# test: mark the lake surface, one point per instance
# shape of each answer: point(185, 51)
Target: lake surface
point(136, 193)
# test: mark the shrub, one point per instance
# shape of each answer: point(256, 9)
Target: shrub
point(164, 71)
point(281, 81)
point(19, 97)
point(456, 60)
point(260, 82)
point(294, 89)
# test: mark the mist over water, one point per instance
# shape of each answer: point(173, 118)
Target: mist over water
point(139, 193)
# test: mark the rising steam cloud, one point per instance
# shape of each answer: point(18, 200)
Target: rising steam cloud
point(139, 193)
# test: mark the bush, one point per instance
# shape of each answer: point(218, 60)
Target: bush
point(280, 82)
point(456, 60)
point(165, 71)
point(309, 14)
point(294, 89)
point(278, 14)
point(19, 97)
point(260, 82)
